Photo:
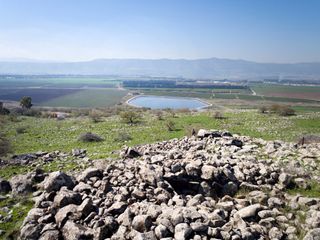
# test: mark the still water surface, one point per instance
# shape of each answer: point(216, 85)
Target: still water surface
point(159, 102)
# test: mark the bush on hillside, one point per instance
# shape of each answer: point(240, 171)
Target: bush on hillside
point(31, 112)
point(282, 110)
point(286, 111)
point(159, 115)
point(263, 109)
point(96, 115)
point(130, 117)
point(218, 115)
point(3, 110)
point(5, 145)
point(123, 137)
point(90, 137)
point(183, 110)
point(21, 130)
point(170, 126)
point(171, 112)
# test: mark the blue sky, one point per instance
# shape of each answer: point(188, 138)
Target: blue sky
point(69, 30)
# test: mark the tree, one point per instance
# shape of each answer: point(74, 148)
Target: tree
point(130, 117)
point(26, 102)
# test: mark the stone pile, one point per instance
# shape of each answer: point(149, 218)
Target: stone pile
point(211, 186)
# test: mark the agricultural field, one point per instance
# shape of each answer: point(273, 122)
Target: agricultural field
point(63, 91)
point(262, 95)
point(57, 82)
point(288, 91)
point(103, 91)
point(88, 98)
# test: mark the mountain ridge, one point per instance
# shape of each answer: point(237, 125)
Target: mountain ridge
point(164, 67)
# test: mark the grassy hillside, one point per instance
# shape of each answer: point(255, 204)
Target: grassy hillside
point(49, 134)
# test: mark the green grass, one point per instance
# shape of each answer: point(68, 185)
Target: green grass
point(88, 98)
point(50, 134)
point(287, 92)
point(312, 191)
point(271, 88)
point(306, 108)
point(20, 206)
point(10, 171)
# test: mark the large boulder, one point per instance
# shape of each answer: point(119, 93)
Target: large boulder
point(56, 180)
point(65, 197)
point(182, 231)
point(141, 223)
point(73, 231)
point(202, 133)
point(30, 231)
point(249, 211)
point(89, 173)
point(22, 184)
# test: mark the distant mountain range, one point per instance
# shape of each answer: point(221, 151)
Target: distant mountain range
point(198, 68)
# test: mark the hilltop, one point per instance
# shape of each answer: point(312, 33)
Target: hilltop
point(213, 185)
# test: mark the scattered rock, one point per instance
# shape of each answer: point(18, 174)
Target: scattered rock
point(210, 186)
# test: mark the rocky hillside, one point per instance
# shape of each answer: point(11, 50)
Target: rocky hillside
point(211, 186)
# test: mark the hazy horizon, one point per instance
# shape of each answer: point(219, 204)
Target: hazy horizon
point(66, 31)
point(26, 60)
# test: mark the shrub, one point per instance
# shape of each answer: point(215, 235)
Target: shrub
point(96, 115)
point(130, 117)
point(191, 130)
point(3, 110)
point(218, 115)
point(26, 102)
point(263, 109)
point(90, 137)
point(123, 137)
point(170, 126)
point(286, 111)
point(5, 145)
point(31, 112)
point(184, 110)
point(14, 118)
point(282, 110)
point(274, 108)
point(159, 115)
point(21, 130)
point(171, 112)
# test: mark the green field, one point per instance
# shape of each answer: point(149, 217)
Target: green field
point(270, 88)
point(56, 82)
point(88, 98)
point(288, 91)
